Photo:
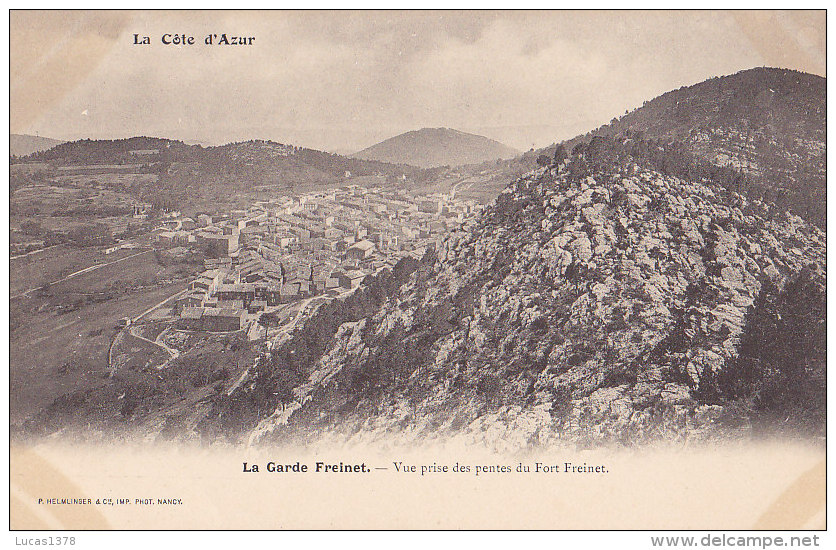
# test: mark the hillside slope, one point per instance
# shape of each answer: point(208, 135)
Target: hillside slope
point(591, 303)
point(188, 174)
point(21, 145)
point(431, 147)
point(768, 123)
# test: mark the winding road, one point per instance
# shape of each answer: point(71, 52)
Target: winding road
point(173, 353)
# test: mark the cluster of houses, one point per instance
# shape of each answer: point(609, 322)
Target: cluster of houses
point(290, 248)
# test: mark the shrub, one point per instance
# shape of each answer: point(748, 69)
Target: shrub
point(781, 364)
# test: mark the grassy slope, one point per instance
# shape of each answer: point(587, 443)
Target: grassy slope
point(51, 353)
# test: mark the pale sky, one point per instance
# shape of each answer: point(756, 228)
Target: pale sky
point(346, 80)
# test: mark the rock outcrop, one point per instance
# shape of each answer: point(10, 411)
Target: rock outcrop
point(580, 309)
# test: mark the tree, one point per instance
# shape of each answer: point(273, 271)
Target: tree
point(543, 160)
point(560, 154)
point(782, 359)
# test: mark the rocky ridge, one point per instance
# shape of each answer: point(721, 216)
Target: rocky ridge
point(767, 123)
point(582, 309)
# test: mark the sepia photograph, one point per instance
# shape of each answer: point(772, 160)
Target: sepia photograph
point(456, 269)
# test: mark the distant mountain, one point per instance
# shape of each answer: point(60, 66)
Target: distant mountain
point(21, 145)
point(431, 147)
point(188, 173)
point(766, 123)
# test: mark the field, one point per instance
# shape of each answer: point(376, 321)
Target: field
point(35, 270)
point(59, 336)
point(46, 210)
point(46, 200)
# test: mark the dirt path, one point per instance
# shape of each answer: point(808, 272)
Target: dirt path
point(80, 272)
point(292, 324)
point(455, 187)
point(159, 341)
point(116, 338)
point(173, 353)
point(33, 252)
point(238, 382)
point(160, 304)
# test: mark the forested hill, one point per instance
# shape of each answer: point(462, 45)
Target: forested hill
point(765, 103)
point(767, 123)
point(230, 157)
point(180, 174)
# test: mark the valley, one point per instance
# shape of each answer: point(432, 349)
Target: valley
point(98, 254)
point(648, 281)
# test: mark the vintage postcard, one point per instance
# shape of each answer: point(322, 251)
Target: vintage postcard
point(281, 270)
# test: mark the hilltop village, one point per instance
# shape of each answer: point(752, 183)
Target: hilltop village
point(288, 249)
